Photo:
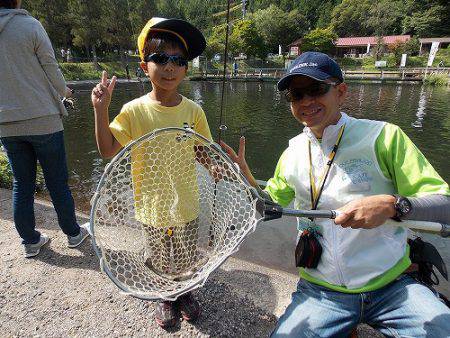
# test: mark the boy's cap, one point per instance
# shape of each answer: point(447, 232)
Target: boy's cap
point(192, 39)
point(315, 65)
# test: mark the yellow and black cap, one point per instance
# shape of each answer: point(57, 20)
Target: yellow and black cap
point(192, 39)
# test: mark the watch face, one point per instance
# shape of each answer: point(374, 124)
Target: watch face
point(404, 206)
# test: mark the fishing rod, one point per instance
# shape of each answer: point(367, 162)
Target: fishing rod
point(223, 127)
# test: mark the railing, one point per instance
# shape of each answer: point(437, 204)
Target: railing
point(243, 74)
point(407, 74)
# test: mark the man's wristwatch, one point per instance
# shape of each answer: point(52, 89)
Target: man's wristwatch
point(402, 207)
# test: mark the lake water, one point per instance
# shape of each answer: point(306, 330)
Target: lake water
point(259, 112)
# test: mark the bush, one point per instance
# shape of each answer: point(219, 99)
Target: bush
point(416, 61)
point(350, 62)
point(436, 79)
point(86, 70)
point(6, 176)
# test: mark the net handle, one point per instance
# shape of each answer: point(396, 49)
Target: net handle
point(272, 211)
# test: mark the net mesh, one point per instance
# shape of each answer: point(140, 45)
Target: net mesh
point(169, 209)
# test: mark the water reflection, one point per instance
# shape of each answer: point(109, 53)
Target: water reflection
point(420, 110)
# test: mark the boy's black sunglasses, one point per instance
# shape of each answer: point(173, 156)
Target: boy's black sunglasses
point(163, 58)
point(314, 90)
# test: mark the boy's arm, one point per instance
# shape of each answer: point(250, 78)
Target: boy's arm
point(107, 144)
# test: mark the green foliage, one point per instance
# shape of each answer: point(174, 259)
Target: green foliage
point(86, 71)
point(416, 61)
point(279, 27)
point(385, 17)
point(92, 27)
point(6, 176)
point(247, 39)
point(320, 40)
point(427, 18)
point(350, 63)
point(349, 16)
point(436, 79)
point(412, 46)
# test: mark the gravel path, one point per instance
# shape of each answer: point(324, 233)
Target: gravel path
point(62, 293)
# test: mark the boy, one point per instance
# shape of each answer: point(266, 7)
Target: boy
point(165, 46)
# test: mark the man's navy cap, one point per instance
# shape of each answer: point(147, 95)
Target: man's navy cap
point(315, 65)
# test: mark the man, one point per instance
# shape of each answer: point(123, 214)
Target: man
point(364, 169)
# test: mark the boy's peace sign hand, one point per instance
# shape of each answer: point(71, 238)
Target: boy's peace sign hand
point(102, 93)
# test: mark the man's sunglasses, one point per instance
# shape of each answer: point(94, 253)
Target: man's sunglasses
point(163, 58)
point(314, 90)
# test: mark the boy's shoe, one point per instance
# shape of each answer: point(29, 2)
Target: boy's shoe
point(74, 241)
point(32, 250)
point(166, 314)
point(189, 307)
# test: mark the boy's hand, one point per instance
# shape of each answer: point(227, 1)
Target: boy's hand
point(102, 93)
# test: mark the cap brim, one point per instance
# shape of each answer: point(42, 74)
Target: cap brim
point(315, 74)
point(193, 37)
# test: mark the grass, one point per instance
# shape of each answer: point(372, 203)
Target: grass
point(436, 79)
point(86, 71)
point(6, 176)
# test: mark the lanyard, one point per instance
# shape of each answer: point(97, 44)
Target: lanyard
point(315, 194)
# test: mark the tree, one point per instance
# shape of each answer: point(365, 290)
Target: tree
point(53, 16)
point(139, 13)
point(88, 24)
point(119, 29)
point(385, 17)
point(348, 18)
point(247, 39)
point(277, 27)
point(319, 40)
point(427, 18)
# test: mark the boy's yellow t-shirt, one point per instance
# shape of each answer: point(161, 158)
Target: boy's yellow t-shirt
point(165, 184)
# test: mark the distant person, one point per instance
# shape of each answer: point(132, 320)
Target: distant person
point(353, 269)
point(69, 55)
point(63, 54)
point(235, 68)
point(31, 128)
point(165, 46)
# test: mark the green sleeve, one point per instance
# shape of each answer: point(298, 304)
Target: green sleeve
point(277, 187)
point(402, 162)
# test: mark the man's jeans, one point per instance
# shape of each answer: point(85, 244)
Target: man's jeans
point(23, 152)
point(404, 308)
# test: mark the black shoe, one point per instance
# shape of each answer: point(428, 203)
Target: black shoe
point(189, 307)
point(166, 314)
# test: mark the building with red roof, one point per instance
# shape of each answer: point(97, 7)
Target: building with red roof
point(360, 46)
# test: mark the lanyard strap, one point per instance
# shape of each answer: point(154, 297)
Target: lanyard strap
point(315, 194)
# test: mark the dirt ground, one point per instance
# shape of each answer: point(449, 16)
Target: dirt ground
point(62, 293)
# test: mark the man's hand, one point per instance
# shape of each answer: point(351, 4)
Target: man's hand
point(102, 93)
point(239, 158)
point(368, 212)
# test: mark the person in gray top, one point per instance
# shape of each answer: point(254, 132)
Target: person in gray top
point(31, 129)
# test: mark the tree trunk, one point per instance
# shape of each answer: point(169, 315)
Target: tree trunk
point(94, 58)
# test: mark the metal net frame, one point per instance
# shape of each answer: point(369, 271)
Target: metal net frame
point(170, 208)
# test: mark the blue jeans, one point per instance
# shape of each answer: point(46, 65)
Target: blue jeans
point(404, 308)
point(23, 153)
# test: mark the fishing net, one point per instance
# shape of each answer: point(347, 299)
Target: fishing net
point(169, 209)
